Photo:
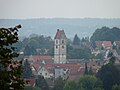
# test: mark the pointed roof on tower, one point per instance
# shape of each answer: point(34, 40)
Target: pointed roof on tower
point(60, 34)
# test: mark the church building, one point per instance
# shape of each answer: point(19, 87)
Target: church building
point(60, 47)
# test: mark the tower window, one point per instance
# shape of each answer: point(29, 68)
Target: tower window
point(56, 47)
point(56, 41)
point(62, 47)
point(62, 41)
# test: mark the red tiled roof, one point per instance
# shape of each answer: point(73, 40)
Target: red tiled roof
point(40, 57)
point(47, 59)
point(60, 34)
point(35, 65)
point(70, 66)
point(107, 43)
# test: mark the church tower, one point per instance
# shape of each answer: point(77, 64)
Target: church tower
point(60, 47)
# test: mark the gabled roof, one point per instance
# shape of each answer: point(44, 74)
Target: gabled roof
point(60, 34)
point(35, 65)
point(74, 67)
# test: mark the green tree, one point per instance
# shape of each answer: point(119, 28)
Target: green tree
point(19, 45)
point(83, 53)
point(87, 82)
point(27, 72)
point(10, 69)
point(36, 44)
point(99, 56)
point(106, 34)
point(41, 83)
point(36, 88)
point(98, 88)
point(29, 50)
point(109, 75)
point(76, 40)
point(112, 58)
point(70, 85)
point(90, 71)
point(116, 87)
point(59, 84)
point(86, 70)
point(51, 51)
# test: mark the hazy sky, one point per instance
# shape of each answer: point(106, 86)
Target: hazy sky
point(59, 8)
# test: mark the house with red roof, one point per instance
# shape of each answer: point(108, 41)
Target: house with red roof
point(104, 44)
point(46, 73)
point(107, 44)
point(35, 67)
point(63, 70)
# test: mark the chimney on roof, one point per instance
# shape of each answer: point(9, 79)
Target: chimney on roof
point(57, 29)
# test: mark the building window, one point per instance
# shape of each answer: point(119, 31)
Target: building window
point(56, 41)
point(45, 74)
point(62, 47)
point(56, 47)
point(62, 41)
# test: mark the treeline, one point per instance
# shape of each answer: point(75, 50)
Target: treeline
point(106, 34)
point(78, 53)
point(35, 45)
point(43, 45)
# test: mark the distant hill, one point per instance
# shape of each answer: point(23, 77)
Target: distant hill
point(43, 26)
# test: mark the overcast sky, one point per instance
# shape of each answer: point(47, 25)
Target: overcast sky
point(59, 9)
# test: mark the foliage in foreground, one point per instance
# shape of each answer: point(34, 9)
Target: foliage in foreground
point(87, 82)
point(41, 83)
point(10, 69)
point(110, 75)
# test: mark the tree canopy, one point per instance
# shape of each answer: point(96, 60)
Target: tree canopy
point(10, 69)
point(109, 75)
point(27, 72)
point(70, 85)
point(89, 82)
point(59, 84)
point(82, 53)
point(116, 87)
point(76, 40)
point(35, 45)
point(41, 83)
point(106, 34)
